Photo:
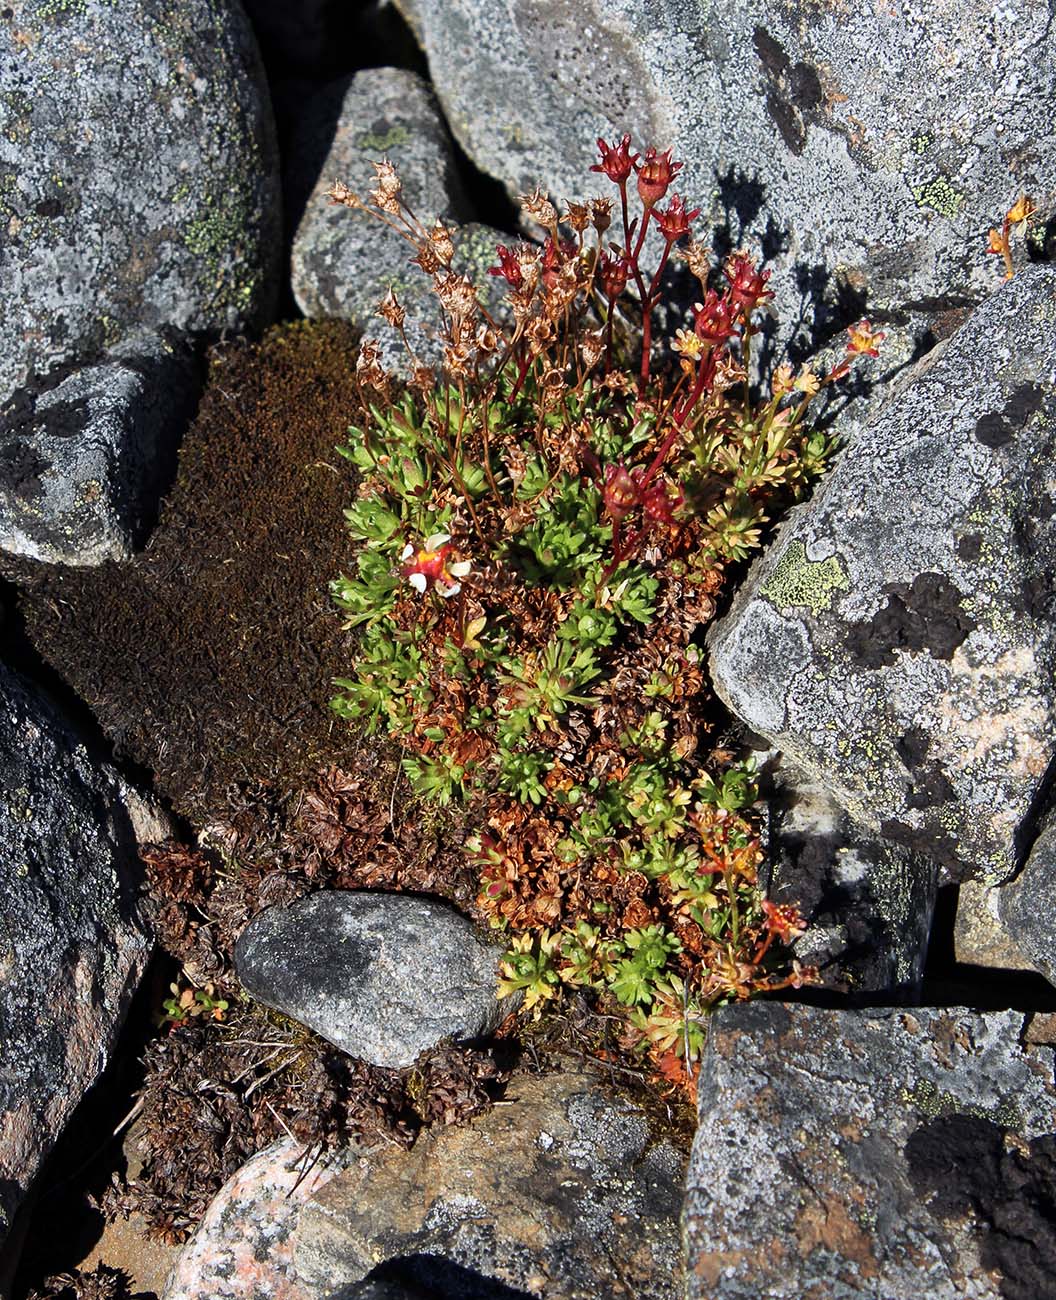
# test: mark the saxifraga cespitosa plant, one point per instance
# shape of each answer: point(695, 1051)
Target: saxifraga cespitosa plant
point(545, 524)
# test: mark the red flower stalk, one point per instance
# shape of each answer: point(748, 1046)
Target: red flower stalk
point(613, 271)
point(674, 220)
point(747, 285)
point(616, 159)
point(509, 268)
point(655, 174)
point(553, 257)
point(714, 318)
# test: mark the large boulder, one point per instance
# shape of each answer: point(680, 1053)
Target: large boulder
point(562, 1191)
point(84, 459)
point(865, 149)
point(73, 944)
point(343, 262)
point(897, 639)
point(384, 977)
point(892, 1154)
point(138, 177)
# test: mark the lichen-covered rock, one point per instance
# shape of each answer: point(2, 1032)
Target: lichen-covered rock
point(72, 942)
point(243, 1249)
point(83, 461)
point(138, 176)
point(891, 1154)
point(896, 640)
point(381, 976)
point(868, 903)
point(862, 181)
point(562, 1191)
point(345, 262)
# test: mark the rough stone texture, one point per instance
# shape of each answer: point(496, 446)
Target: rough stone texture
point(242, 1249)
point(868, 903)
point(560, 1192)
point(888, 1155)
point(138, 176)
point(83, 462)
point(382, 976)
point(979, 935)
point(1026, 906)
point(72, 944)
point(344, 262)
point(896, 639)
point(862, 181)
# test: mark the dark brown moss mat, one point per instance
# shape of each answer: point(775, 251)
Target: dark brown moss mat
point(208, 658)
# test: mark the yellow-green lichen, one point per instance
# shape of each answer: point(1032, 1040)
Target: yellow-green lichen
point(921, 142)
point(935, 1103)
point(939, 195)
point(381, 141)
point(800, 581)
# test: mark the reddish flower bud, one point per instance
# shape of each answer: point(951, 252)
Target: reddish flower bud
point(508, 267)
point(620, 492)
point(616, 159)
point(747, 285)
point(613, 272)
point(660, 503)
point(674, 220)
point(713, 319)
point(655, 174)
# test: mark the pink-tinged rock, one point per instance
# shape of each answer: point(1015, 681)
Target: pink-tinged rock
point(242, 1249)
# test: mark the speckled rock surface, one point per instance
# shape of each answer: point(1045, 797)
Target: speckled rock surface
point(862, 181)
point(558, 1192)
point(344, 262)
point(868, 903)
point(242, 1249)
point(138, 176)
point(72, 943)
point(382, 976)
point(889, 1155)
point(896, 640)
point(83, 462)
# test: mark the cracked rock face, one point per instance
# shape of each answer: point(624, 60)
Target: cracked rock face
point(896, 640)
point(885, 1153)
point(381, 976)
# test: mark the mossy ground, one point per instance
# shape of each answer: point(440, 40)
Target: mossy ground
point(208, 658)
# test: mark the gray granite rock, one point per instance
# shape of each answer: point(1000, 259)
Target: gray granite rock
point(344, 262)
point(83, 462)
point(72, 942)
point(562, 1191)
point(138, 177)
point(888, 1155)
point(896, 640)
point(866, 149)
point(868, 903)
point(381, 976)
